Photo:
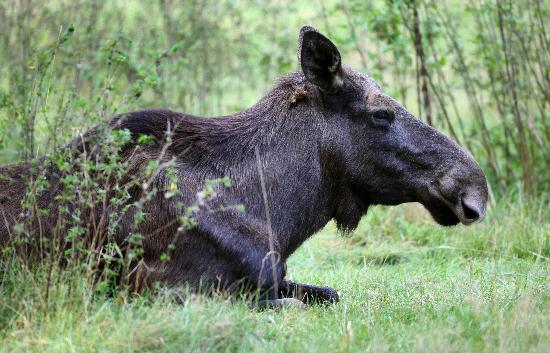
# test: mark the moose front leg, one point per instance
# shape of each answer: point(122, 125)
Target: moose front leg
point(299, 294)
point(244, 241)
point(309, 294)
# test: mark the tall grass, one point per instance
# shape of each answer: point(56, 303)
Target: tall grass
point(405, 284)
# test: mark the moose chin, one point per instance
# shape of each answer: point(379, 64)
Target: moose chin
point(323, 144)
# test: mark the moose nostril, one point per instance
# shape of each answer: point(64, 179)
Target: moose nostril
point(470, 212)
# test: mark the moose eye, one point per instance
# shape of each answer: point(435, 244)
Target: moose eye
point(382, 118)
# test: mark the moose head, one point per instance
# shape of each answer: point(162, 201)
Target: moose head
point(390, 156)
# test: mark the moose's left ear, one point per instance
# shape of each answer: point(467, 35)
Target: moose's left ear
point(320, 60)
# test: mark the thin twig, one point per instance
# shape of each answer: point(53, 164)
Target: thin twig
point(272, 251)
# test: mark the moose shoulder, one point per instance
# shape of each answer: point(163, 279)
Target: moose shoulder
point(325, 143)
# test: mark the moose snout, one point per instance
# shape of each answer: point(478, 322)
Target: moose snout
point(471, 207)
point(460, 195)
point(465, 193)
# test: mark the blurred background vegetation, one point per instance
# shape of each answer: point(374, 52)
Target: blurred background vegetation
point(478, 70)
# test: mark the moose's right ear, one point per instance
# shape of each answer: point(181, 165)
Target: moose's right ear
point(319, 58)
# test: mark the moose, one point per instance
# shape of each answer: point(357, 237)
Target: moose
point(323, 144)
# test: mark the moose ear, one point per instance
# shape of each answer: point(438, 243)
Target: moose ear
point(319, 58)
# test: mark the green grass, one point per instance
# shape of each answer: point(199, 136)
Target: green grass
point(406, 285)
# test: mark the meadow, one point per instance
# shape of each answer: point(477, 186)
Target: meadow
point(476, 70)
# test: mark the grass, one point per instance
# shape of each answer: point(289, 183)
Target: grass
point(406, 285)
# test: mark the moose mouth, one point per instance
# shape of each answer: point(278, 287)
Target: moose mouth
point(464, 209)
point(442, 213)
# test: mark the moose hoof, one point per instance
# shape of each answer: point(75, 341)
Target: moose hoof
point(321, 295)
point(280, 303)
point(330, 296)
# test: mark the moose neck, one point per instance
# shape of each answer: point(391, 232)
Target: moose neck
point(303, 178)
